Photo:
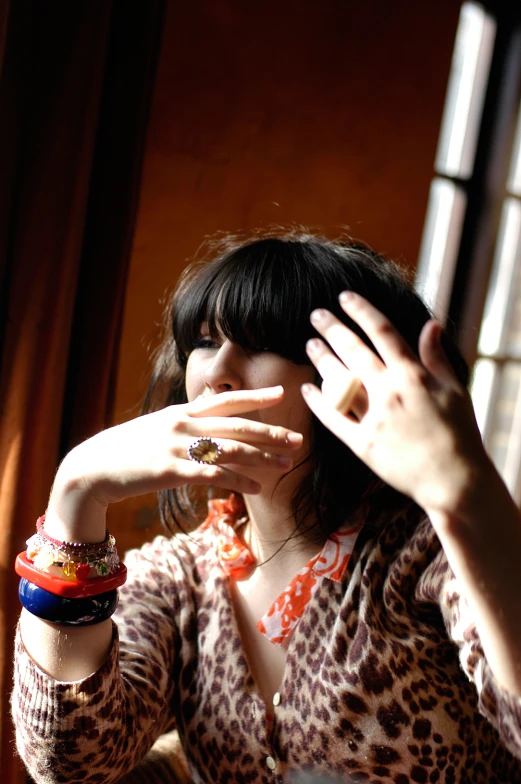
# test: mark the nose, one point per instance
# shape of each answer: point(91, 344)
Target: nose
point(224, 373)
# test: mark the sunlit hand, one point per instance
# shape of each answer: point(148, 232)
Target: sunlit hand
point(149, 453)
point(414, 425)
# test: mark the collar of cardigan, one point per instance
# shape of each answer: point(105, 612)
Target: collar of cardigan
point(226, 515)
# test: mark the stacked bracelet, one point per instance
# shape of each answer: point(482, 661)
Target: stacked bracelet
point(72, 589)
point(77, 560)
point(69, 583)
point(63, 610)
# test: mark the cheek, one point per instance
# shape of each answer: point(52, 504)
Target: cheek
point(293, 411)
point(299, 415)
point(194, 378)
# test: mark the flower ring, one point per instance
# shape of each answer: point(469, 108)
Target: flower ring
point(204, 450)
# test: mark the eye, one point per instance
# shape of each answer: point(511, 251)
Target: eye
point(262, 350)
point(205, 343)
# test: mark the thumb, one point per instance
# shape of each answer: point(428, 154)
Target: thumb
point(432, 353)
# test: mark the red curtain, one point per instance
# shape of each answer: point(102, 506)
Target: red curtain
point(75, 87)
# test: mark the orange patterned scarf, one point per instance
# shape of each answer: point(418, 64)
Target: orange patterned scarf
point(277, 624)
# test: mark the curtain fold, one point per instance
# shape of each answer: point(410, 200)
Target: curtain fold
point(75, 86)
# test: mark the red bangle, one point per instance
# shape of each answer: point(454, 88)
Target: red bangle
point(71, 589)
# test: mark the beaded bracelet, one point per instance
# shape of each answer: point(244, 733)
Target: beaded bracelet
point(64, 611)
point(72, 589)
point(78, 546)
point(78, 560)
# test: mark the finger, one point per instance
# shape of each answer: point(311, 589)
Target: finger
point(239, 429)
point(349, 347)
point(385, 337)
point(341, 388)
point(219, 476)
point(239, 454)
point(433, 356)
point(346, 429)
point(237, 402)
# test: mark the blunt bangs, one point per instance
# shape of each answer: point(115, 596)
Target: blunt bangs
point(260, 296)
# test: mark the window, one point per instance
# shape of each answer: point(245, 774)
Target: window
point(496, 388)
point(469, 268)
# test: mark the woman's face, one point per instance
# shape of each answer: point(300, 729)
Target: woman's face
point(218, 365)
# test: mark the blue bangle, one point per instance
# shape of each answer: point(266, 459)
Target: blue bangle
point(64, 611)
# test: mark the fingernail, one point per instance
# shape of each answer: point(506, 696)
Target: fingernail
point(313, 345)
point(345, 297)
point(284, 462)
point(294, 439)
point(271, 391)
point(318, 315)
point(306, 389)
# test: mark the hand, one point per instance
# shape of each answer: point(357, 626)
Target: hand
point(149, 454)
point(416, 427)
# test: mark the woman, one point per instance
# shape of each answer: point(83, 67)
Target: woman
point(352, 608)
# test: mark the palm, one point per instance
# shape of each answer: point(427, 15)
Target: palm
point(415, 426)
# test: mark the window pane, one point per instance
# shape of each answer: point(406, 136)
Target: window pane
point(483, 388)
point(466, 91)
point(500, 328)
point(504, 442)
point(440, 245)
point(514, 177)
point(513, 327)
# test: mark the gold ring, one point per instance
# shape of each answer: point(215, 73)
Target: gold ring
point(204, 450)
point(342, 399)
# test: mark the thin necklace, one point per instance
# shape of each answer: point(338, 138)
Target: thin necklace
point(248, 541)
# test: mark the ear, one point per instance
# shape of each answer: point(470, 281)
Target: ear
point(432, 353)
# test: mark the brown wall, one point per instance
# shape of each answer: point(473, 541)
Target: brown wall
point(318, 113)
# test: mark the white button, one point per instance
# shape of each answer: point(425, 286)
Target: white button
point(270, 762)
point(276, 698)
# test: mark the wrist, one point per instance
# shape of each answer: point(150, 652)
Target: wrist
point(74, 513)
point(475, 494)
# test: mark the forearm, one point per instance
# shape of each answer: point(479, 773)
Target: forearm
point(61, 725)
point(125, 694)
point(69, 653)
point(481, 536)
point(66, 653)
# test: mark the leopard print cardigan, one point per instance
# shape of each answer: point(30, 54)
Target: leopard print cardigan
point(385, 679)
